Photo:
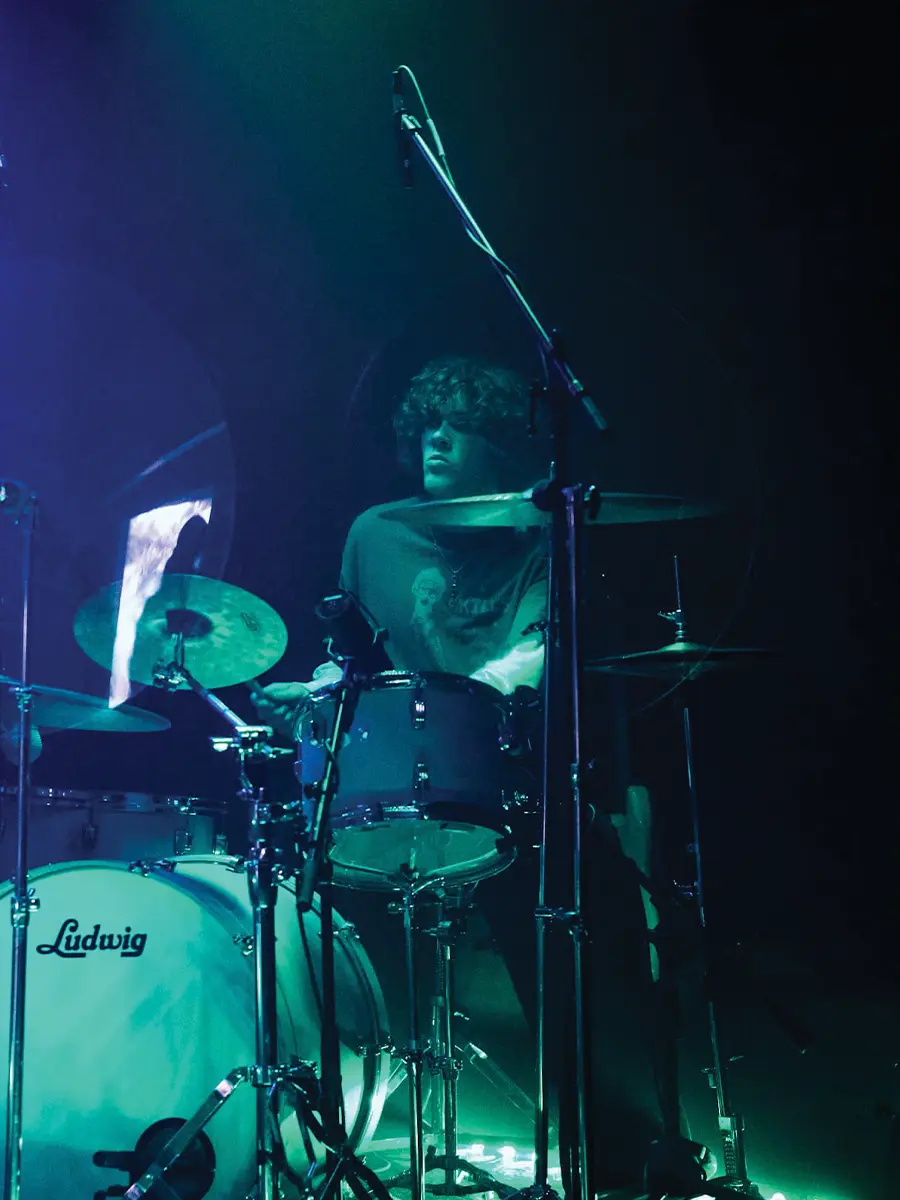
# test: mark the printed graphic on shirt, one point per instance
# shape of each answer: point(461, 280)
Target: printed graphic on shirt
point(428, 589)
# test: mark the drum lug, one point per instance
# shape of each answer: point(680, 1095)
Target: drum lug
point(374, 1049)
point(418, 710)
point(521, 802)
point(245, 943)
point(21, 910)
point(89, 837)
point(146, 866)
point(220, 844)
point(347, 933)
point(420, 777)
point(238, 866)
point(183, 842)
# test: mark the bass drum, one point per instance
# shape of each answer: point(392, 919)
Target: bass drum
point(140, 999)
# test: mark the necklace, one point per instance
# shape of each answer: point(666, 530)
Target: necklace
point(455, 572)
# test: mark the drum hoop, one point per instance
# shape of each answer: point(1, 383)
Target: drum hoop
point(459, 814)
point(443, 681)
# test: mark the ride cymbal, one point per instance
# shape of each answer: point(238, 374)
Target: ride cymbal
point(225, 634)
point(518, 510)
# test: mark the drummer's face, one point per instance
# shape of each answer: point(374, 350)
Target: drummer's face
point(456, 463)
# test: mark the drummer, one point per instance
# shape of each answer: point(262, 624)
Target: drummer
point(467, 601)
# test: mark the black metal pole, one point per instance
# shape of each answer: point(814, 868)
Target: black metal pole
point(331, 1084)
point(414, 1052)
point(447, 1054)
point(731, 1127)
point(263, 887)
point(22, 903)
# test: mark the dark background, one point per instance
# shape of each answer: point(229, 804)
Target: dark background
point(700, 194)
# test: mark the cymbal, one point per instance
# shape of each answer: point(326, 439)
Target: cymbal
point(677, 660)
point(517, 510)
point(229, 635)
point(54, 708)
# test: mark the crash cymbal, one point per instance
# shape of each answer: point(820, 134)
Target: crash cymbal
point(229, 635)
point(676, 660)
point(54, 708)
point(517, 510)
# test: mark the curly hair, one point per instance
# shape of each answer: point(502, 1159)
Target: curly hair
point(476, 397)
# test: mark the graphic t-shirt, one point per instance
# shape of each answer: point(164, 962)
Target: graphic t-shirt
point(450, 600)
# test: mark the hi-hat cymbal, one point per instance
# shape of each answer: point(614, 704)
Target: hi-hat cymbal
point(517, 510)
point(54, 708)
point(677, 660)
point(229, 635)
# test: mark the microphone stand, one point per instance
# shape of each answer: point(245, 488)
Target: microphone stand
point(342, 1166)
point(566, 502)
point(23, 903)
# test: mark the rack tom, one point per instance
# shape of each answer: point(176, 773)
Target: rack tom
point(423, 781)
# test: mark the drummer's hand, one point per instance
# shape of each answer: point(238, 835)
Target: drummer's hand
point(278, 704)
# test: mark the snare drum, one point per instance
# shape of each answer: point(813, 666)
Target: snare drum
point(66, 826)
point(140, 1001)
point(423, 781)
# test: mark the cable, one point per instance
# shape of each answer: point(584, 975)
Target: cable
point(441, 156)
point(429, 123)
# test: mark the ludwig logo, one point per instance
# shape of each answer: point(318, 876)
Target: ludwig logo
point(72, 944)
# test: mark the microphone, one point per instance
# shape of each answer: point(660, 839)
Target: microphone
point(404, 147)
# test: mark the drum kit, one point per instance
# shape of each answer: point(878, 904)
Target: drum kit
point(163, 972)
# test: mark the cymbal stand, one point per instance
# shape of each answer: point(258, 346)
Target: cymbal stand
point(250, 744)
point(731, 1126)
point(23, 902)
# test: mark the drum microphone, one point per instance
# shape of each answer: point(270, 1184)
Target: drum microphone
point(404, 146)
point(351, 634)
